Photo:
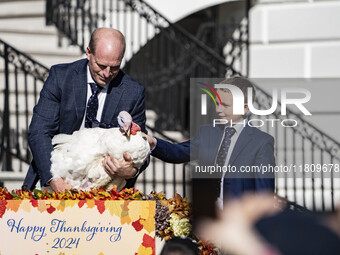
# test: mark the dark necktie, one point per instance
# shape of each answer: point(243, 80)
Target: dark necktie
point(92, 109)
point(222, 154)
point(92, 106)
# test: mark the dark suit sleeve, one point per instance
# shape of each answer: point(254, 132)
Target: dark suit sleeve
point(44, 125)
point(138, 112)
point(171, 152)
point(265, 157)
point(180, 152)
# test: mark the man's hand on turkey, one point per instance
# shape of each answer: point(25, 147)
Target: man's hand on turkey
point(127, 126)
point(151, 140)
point(115, 167)
point(59, 185)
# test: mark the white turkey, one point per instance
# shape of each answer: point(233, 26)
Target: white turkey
point(77, 158)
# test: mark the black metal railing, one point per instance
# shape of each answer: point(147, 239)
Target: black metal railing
point(307, 148)
point(163, 56)
point(22, 79)
point(161, 176)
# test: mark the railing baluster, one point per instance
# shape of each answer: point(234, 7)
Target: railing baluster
point(154, 176)
point(322, 182)
point(285, 161)
point(104, 10)
point(111, 12)
point(83, 25)
point(90, 16)
point(294, 160)
point(313, 179)
point(69, 29)
point(164, 177)
point(332, 185)
point(124, 29)
point(27, 117)
point(174, 184)
point(74, 28)
point(303, 172)
point(276, 145)
point(96, 14)
point(6, 146)
point(184, 181)
point(17, 116)
point(118, 13)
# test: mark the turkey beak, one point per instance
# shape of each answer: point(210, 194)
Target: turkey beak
point(127, 130)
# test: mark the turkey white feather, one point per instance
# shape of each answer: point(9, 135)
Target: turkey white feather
point(77, 158)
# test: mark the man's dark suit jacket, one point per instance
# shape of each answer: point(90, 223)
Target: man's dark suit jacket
point(252, 148)
point(61, 109)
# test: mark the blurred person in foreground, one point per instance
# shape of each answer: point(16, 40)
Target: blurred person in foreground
point(260, 224)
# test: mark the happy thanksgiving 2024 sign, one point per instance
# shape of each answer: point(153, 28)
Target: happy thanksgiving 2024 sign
point(77, 227)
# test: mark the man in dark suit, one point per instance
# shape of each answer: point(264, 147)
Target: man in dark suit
point(247, 146)
point(63, 106)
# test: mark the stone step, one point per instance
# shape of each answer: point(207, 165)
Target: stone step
point(22, 25)
point(49, 58)
point(27, 8)
point(39, 42)
point(12, 180)
point(35, 25)
point(53, 58)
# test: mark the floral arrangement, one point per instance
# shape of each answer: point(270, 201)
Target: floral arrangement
point(172, 218)
point(100, 194)
point(172, 215)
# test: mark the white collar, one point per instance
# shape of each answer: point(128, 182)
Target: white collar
point(238, 128)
